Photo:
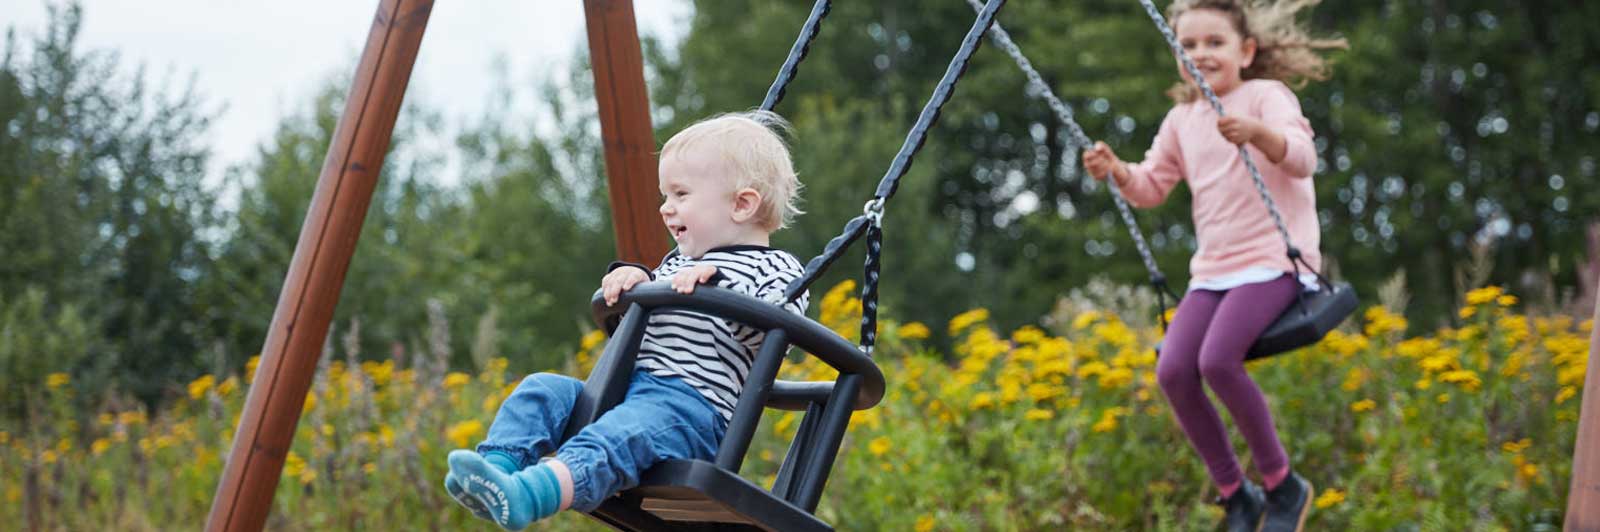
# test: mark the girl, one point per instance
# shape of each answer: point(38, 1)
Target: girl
point(1240, 280)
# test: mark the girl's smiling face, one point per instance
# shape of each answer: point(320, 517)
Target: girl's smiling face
point(698, 202)
point(1214, 42)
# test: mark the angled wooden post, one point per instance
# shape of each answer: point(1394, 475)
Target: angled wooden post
point(1583, 495)
point(316, 273)
point(626, 131)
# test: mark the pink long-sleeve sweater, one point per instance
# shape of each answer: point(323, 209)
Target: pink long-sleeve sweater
point(1235, 232)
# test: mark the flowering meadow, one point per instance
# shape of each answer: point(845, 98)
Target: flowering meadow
point(1039, 428)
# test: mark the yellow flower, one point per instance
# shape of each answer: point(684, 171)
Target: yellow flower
point(1329, 498)
point(1354, 379)
point(1091, 369)
point(1443, 398)
point(1084, 320)
point(982, 400)
point(914, 331)
point(784, 423)
point(592, 339)
point(1518, 446)
point(1116, 378)
point(56, 380)
point(1363, 405)
point(1038, 414)
point(99, 446)
point(461, 434)
point(879, 446)
point(380, 374)
point(1467, 312)
point(1040, 392)
point(1506, 300)
point(967, 319)
point(1028, 334)
point(1108, 419)
point(1381, 321)
point(1566, 393)
point(369, 468)
point(455, 380)
point(1466, 378)
point(925, 523)
point(250, 367)
point(1526, 470)
point(228, 386)
point(1483, 295)
point(132, 417)
point(199, 387)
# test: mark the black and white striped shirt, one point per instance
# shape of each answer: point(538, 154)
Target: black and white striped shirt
point(712, 354)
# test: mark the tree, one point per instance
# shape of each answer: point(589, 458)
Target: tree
point(101, 205)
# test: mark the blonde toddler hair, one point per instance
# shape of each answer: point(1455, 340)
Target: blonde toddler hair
point(750, 145)
point(1285, 51)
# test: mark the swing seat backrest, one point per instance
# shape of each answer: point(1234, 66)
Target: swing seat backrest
point(701, 495)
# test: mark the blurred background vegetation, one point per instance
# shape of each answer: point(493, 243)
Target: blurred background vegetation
point(1453, 140)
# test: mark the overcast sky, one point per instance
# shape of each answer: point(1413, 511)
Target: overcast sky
point(265, 59)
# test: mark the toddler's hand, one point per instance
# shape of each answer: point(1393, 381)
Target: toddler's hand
point(1099, 161)
point(1239, 129)
point(685, 281)
point(621, 280)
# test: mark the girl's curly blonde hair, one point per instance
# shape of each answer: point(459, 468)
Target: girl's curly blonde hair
point(1285, 51)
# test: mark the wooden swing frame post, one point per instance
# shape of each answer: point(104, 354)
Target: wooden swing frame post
point(338, 209)
point(625, 129)
point(1583, 495)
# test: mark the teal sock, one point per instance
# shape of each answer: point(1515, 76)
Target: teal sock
point(511, 500)
point(502, 460)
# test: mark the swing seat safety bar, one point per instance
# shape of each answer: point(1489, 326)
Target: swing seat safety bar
point(701, 495)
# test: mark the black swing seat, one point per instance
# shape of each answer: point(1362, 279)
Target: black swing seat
point(1305, 322)
point(701, 495)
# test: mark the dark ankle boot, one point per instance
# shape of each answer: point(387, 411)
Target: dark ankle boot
point(1243, 509)
point(1288, 504)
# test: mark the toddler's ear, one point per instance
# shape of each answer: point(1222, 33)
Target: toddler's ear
point(745, 204)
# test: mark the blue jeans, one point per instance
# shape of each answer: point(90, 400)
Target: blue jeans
point(661, 418)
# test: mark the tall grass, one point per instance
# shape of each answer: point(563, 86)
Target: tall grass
point(1467, 428)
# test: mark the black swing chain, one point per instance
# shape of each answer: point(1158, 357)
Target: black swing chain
point(797, 53)
point(1081, 140)
point(898, 168)
point(869, 286)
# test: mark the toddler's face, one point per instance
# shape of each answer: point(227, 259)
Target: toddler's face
point(1216, 47)
point(697, 201)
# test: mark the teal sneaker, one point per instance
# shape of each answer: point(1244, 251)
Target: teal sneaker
point(510, 500)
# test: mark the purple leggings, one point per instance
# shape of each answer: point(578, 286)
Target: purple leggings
point(1206, 342)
